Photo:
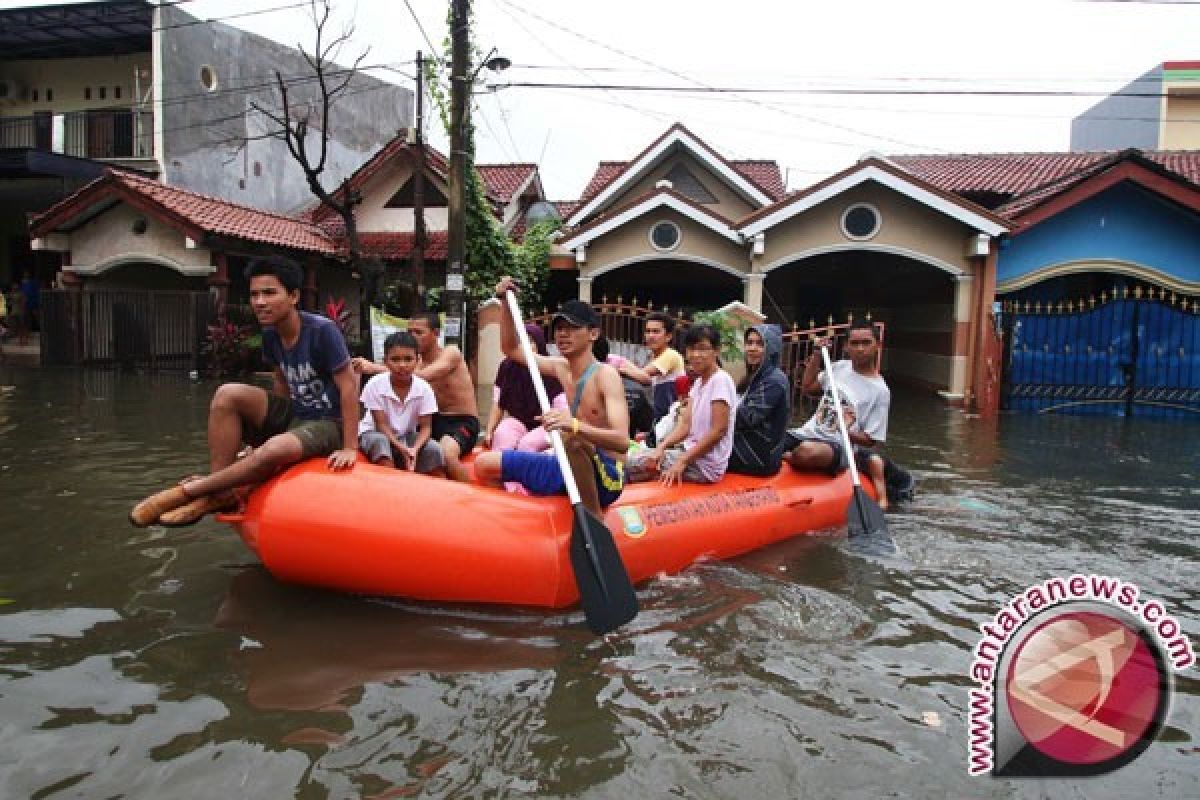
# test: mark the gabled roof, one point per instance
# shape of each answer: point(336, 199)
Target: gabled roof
point(759, 182)
point(373, 166)
point(887, 174)
point(502, 182)
point(656, 198)
point(765, 174)
point(994, 179)
point(506, 181)
point(1131, 166)
point(194, 214)
point(565, 208)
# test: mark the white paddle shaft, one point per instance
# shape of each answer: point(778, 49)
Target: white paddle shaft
point(539, 387)
point(837, 412)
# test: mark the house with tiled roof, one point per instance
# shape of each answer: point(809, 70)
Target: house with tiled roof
point(680, 225)
point(924, 244)
point(127, 231)
point(1098, 277)
point(148, 87)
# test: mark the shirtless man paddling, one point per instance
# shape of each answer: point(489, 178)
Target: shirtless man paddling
point(595, 428)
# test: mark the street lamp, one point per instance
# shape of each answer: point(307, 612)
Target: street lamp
point(456, 244)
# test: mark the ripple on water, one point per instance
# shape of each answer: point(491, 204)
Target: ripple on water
point(133, 663)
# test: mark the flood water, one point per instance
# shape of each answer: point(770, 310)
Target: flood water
point(155, 663)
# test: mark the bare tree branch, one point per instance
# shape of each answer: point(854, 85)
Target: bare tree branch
point(310, 110)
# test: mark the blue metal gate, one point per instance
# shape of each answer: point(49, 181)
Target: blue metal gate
point(1134, 352)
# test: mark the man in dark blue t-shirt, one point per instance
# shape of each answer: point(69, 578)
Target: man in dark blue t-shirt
point(312, 409)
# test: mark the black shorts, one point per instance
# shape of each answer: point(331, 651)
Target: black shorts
point(462, 428)
point(838, 462)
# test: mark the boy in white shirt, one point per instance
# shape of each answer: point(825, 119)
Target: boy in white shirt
point(398, 423)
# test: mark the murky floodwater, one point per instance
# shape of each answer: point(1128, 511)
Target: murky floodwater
point(154, 663)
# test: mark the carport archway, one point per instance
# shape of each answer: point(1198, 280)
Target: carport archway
point(689, 286)
point(915, 300)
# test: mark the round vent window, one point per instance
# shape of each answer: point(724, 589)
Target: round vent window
point(860, 221)
point(665, 236)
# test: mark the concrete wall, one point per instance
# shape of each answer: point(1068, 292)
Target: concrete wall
point(1181, 127)
point(632, 240)
point(374, 216)
point(68, 78)
point(1119, 122)
point(109, 238)
point(201, 128)
point(904, 224)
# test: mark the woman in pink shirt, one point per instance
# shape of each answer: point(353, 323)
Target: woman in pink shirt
point(698, 448)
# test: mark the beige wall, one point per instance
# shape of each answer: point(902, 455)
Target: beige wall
point(69, 77)
point(109, 238)
point(632, 240)
point(373, 216)
point(905, 224)
point(729, 204)
point(1181, 125)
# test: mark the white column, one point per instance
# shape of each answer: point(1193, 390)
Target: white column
point(585, 288)
point(156, 68)
point(753, 290)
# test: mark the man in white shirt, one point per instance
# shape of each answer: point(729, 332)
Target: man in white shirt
point(817, 445)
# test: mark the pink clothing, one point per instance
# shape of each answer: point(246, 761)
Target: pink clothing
point(511, 434)
point(718, 388)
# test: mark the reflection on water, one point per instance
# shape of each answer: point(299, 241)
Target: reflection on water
point(154, 663)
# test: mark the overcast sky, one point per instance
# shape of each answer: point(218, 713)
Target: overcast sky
point(970, 45)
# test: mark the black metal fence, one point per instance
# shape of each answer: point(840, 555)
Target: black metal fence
point(153, 329)
point(623, 325)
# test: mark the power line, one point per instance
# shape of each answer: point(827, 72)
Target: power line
point(508, 129)
point(657, 117)
point(751, 100)
point(198, 21)
point(433, 53)
point(211, 121)
point(758, 90)
point(135, 16)
point(1090, 78)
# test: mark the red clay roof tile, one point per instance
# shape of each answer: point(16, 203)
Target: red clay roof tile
point(205, 214)
point(1004, 176)
point(505, 180)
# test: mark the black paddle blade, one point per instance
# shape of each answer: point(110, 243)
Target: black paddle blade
point(604, 589)
point(864, 516)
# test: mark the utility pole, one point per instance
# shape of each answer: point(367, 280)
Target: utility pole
point(418, 179)
point(456, 245)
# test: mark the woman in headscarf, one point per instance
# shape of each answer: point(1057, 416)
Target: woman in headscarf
point(764, 405)
point(513, 424)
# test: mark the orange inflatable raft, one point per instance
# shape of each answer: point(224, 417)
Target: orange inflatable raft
point(382, 531)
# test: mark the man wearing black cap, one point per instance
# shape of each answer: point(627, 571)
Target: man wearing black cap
point(594, 429)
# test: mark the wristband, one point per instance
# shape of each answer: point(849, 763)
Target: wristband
point(574, 425)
